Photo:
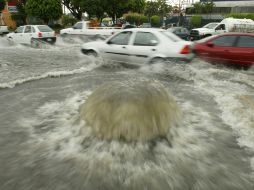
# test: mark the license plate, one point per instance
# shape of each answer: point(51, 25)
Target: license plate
point(49, 39)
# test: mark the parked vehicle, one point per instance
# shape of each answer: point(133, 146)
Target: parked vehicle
point(4, 30)
point(146, 25)
point(128, 26)
point(141, 45)
point(226, 25)
point(230, 48)
point(181, 32)
point(83, 28)
point(32, 34)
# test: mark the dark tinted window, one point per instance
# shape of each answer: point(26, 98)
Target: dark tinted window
point(246, 41)
point(145, 39)
point(78, 25)
point(28, 29)
point(19, 29)
point(121, 38)
point(224, 41)
point(220, 27)
point(44, 28)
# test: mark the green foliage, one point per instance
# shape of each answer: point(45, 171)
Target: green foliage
point(241, 15)
point(20, 16)
point(136, 18)
point(155, 21)
point(2, 5)
point(68, 21)
point(94, 8)
point(137, 5)
point(44, 9)
point(74, 6)
point(159, 7)
point(196, 21)
point(201, 7)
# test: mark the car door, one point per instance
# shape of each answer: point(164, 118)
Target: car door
point(27, 35)
point(117, 48)
point(243, 52)
point(221, 28)
point(218, 49)
point(18, 35)
point(144, 46)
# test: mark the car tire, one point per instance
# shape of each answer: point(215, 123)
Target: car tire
point(157, 60)
point(10, 41)
point(34, 43)
point(91, 53)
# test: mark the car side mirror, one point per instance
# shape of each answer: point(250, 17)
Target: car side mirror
point(210, 44)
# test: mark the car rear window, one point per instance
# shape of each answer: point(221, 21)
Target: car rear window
point(246, 41)
point(171, 36)
point(45, 29)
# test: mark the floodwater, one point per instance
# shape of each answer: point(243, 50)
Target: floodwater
point(44, 145)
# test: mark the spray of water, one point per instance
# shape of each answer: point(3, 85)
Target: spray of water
point(131, 110)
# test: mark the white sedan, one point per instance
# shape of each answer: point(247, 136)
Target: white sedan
point(32, 34)
point(141, 45)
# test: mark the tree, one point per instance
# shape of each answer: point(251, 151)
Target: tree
point(116, 8)
point(207, 7)
point(137, 6)
point(21, 15)
point(44, 9)
point(2, 5)
point(159, 7)
point(74, 6)
point(155, 21)
point(94, 8)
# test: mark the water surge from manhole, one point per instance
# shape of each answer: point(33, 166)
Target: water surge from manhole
point(131, 110)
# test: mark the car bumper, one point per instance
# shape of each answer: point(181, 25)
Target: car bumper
point(50, 40)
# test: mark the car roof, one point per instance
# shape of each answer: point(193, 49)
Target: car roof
point(237, 34)
point(35, 25)
point(144, 29)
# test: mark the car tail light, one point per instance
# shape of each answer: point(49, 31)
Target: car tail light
point(185, 50)
point(39, 34)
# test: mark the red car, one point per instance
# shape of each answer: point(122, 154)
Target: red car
point(233, 48)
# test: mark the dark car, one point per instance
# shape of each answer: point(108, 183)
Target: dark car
point(129, 26)
point(181, 32)
point(230, 48)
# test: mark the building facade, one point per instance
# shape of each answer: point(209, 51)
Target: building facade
point(232, 6)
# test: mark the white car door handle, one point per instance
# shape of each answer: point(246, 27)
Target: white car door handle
point(153, 49)
point(123, 47)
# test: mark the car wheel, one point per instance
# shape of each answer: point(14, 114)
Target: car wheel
point(91, 53)
point(157, 60)
point(10, 41)
point(34, 43)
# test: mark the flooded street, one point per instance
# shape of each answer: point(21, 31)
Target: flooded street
point(44, 145)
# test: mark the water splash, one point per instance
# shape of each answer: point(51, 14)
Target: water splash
point(132, 110)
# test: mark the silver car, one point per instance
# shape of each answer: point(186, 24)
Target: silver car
point(141, 45)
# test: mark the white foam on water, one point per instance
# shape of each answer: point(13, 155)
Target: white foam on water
point(233, 92)
point(12, 84)
point(117, 164)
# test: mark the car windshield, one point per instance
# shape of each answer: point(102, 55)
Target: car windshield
point(210, 25)
point(171, 36)
point(44, 28)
